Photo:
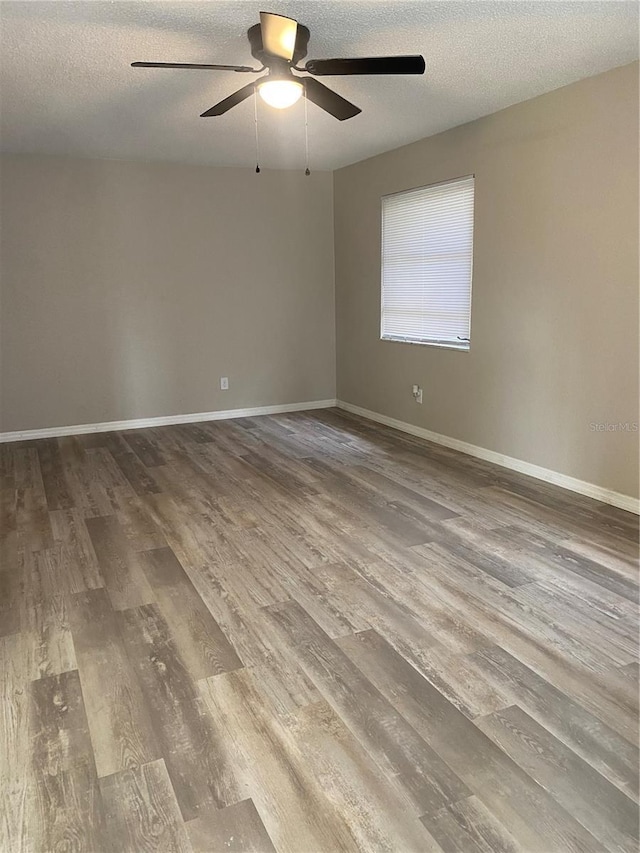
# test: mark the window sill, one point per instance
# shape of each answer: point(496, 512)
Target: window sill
point(464, 347)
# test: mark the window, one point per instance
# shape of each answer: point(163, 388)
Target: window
point(427, 260)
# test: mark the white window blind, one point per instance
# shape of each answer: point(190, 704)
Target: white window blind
point(427, 260)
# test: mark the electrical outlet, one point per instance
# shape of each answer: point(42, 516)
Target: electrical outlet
point(224, 383)
point(416, 391)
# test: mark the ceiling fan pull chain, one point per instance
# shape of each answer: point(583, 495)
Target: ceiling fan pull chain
point(255, 118)
point(306, 135)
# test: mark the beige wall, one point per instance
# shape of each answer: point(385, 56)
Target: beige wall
point(555, 289)
point(128, 289)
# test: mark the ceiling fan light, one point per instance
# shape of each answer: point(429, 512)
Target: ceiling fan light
point(280, 93)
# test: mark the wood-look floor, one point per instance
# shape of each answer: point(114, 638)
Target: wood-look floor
point(309, 633)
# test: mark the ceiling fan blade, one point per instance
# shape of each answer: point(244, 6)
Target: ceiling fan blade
point(195, 65)
point(232, 101)
point(278, 35)
point(371, 65)
point(328, 100)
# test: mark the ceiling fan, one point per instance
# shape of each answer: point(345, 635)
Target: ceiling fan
point(279, 43)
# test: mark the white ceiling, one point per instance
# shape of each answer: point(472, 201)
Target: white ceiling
point(66, 85)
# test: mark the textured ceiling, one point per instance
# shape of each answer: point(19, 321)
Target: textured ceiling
point(66, 86)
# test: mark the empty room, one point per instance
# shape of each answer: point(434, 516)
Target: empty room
point(319, 411)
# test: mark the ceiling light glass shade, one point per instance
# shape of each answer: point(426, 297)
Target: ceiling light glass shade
point(280, 93)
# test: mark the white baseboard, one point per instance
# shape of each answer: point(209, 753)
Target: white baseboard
point(164, 420)
point(563, 480)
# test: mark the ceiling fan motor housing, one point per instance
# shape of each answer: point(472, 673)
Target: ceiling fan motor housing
point(254, 34)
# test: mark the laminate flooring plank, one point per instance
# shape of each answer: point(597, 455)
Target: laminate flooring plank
point(546, 495)
point(68, 810)
point(197, 537)
point(26, 467)
point(103, 470)
point(458, 678)
point(139, 477)
point(91, 440)
point(255, 573)
point(589, 597)
point(446, 625)
point(74, 551)
point(189, 744)
point(619, 636)
point(361, 605)
point(285, 479)
point(585, 594)
point(328, 611)
point(506, 606)
point(144, 448)
point(438, 481)
point(237, 829)
point(253, 636)
point(119, 720)
point(402, 526)
point(135, 520)
point(59, 573)
point(568, 561)
point(7, 466)
point(560, 522)
point(620, 516)
point(605, 553)
point(16, 828)
point(469, 827)
point(194, 433)
point(312, 587)
point(502, 570)
point(53, 476)
point(119, 564)
point(630, 671)
point(578, 518)
point(11, 591)
point(86, 473)
point(377, 810)
point(270, 769)
point(393, 743)
point(217, 438)
point(599, 690)
point(194, 478)
point(291, 459)
point(609, 753)
point(583, 599)
point(395, 492)
point(366, 545)
point(32, 519)
point(142, 813)
point(606, 812)
point(47, 634)
point(387, 598)
point(289, 445)
point(8, 522)
point(202, 644)
point(518, 802)
point(284, 530)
